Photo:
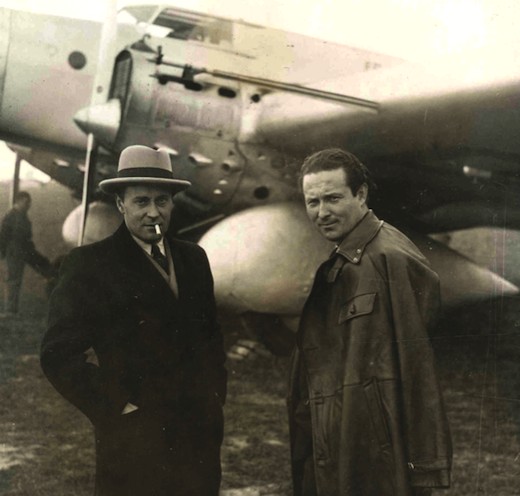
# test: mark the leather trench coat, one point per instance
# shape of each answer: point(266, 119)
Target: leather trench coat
point(377, 416)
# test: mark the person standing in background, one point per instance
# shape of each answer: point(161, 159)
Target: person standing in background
point(17, 248)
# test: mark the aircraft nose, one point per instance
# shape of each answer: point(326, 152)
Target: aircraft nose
point(102, 120)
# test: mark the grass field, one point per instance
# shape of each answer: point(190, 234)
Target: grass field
point(46, 446)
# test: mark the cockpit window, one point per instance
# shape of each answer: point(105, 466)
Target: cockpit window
point(184, 25)
point(136, 15)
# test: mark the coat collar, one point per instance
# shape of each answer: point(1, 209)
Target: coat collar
point(134, 260)
point(353, 246)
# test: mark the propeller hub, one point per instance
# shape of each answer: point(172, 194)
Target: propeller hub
point(102, 120)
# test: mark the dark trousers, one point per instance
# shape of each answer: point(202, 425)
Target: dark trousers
point(15, 268)
point(155, 454)
point(309, 478)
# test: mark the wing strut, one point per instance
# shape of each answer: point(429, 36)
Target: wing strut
point(15, 185)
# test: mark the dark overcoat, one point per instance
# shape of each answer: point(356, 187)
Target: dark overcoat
point(160, 352)
point(378, 422)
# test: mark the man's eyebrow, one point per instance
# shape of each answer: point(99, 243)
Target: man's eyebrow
point(333, 193)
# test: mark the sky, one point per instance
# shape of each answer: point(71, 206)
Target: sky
point(416, 30)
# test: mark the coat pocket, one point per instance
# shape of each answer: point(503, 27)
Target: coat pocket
point(377, 415)
point(357, 306)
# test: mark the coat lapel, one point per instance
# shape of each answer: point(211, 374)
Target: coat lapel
point(179, 263)
point(138, 273)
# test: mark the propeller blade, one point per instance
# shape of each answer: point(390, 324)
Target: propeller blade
point(99, 95)
point(88, 183)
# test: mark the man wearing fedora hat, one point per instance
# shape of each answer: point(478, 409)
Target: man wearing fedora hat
point(133, 342)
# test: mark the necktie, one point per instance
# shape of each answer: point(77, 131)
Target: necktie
point(160, 258)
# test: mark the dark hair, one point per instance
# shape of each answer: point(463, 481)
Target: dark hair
point(22, 195)
point(335, 158)
point(119, 192)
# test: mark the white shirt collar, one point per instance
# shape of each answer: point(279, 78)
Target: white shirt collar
point(147, 247)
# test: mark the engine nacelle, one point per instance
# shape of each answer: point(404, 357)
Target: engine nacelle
point(102, 220)
point(264, 260)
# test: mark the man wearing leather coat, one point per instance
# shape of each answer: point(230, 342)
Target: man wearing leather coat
point(366, 412)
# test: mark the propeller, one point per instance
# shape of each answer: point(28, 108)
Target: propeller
point(99, 95)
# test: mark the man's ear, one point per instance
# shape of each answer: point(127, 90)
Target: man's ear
point(119, 204)
point(362, 193)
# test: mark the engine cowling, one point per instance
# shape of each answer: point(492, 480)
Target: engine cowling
point(264, 260)
point(102, 220)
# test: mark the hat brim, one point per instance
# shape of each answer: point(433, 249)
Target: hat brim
point(116, 184)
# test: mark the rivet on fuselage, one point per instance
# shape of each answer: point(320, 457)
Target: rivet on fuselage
point(199, 159)
point(231, 166)
point(61, 163)
point(172, 151)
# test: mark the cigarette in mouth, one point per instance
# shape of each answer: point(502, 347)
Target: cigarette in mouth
point(158, 230)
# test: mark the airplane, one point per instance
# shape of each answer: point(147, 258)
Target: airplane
point(238, 106)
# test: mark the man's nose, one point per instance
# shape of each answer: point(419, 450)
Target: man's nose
point(153, 211)
point(323, 211)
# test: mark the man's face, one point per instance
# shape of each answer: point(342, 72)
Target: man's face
point(330, 204)
point(24, 204)
point(143, 207)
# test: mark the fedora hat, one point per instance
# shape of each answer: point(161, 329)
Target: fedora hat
point(143, 165)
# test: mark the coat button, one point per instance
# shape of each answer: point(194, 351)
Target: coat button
point(358, 250)
point(355, 259)
point(321, 463)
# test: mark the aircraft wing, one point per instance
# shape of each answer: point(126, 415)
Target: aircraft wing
point(442, 145)
point(443, 151)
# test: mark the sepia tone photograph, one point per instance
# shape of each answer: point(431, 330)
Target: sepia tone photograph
point(259, 248)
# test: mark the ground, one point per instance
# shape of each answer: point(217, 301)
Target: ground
point(47, 447)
